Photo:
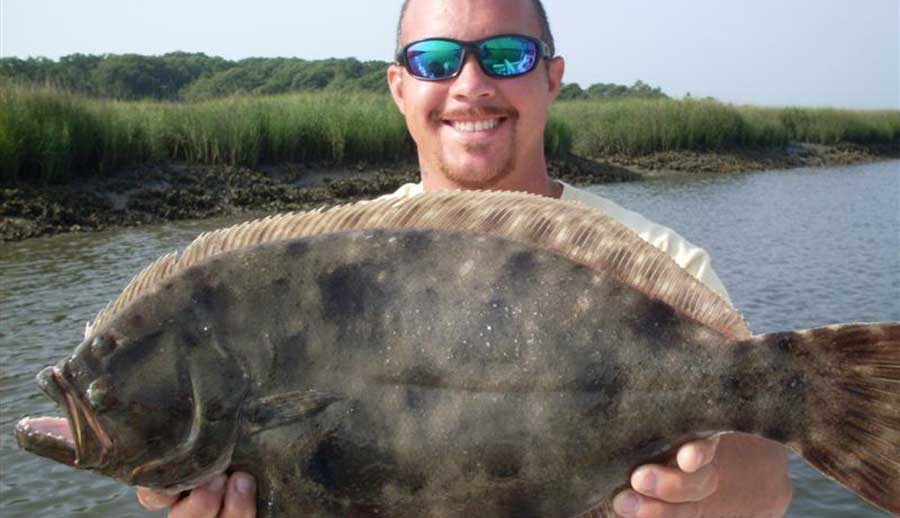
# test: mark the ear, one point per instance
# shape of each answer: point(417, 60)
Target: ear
point(395, 83)
point(555, 70)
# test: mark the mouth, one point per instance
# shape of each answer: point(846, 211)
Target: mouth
point(78, 440)
point(475, 122)
point(475, 126)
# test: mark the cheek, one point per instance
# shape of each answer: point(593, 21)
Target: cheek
point(420, 102)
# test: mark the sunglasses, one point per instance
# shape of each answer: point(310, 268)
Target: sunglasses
point(507, 55)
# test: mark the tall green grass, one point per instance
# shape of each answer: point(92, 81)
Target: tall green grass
point(636, 126)
point(47, 135)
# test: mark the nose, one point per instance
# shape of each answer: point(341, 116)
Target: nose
point(472, 82)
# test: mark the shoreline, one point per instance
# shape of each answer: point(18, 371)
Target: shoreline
point(169, 191)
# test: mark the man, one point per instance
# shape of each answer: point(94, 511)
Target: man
point(480, 126)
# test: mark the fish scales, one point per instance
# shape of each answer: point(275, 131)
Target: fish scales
point(553, 380)
point(416, 370)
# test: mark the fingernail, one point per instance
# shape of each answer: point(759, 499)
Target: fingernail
point(217, 485)
point(646, 483)
point(625, 504)
point(153, 501)
point(698, 458)
point(244, 484)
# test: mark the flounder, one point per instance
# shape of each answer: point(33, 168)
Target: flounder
point(450, 354)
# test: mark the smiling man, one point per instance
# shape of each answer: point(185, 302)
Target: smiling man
point(474, 80)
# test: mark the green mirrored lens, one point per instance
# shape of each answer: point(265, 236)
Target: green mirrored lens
point(508, 55)
point(434, 59)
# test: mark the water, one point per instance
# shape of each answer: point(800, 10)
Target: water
point(796, 249)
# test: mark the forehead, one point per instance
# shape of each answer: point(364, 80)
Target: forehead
point(468, 19)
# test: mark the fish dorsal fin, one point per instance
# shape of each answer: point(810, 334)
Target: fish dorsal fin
point(572, 230)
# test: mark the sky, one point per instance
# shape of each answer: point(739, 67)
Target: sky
point(841, 53)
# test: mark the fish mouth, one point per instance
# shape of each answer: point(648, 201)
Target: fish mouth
point(78, 440)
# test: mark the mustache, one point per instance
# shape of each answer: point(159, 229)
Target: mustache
point(474, 113)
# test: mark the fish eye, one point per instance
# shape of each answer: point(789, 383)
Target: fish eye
point(103, 345)
point(98, 395)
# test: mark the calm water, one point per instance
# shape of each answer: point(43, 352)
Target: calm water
point(796, 249)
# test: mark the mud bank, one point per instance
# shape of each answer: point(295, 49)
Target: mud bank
point(155, 193)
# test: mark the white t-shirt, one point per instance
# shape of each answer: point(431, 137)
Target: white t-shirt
point(690, 257)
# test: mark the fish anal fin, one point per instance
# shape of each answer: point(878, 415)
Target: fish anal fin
point(281, 409)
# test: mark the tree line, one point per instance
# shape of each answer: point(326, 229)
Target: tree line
point(183, 76)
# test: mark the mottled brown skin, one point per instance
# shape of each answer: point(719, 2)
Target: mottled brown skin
point(448, 374)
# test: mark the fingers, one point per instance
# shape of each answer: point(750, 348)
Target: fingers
point(694, 455)
point(630, 504)
point(153, 501)
point(201, 502)
point(240, 497)
point(672, 485)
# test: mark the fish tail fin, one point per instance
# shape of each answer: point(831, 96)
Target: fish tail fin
point(853, 423)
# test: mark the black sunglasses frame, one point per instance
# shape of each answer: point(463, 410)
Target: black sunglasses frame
point(474, 47)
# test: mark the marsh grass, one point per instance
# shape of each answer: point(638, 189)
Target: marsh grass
point(48, 135)
point(636, 126)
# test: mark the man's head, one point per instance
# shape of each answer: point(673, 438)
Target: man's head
point(508, 115)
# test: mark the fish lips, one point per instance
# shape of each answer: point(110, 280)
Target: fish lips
point(77, 441)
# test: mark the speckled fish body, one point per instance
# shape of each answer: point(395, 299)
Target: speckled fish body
point(437, 372)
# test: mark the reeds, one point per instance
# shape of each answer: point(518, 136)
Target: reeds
point(48, 135)
point(637, 126)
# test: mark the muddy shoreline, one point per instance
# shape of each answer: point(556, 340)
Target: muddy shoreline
point(160, 192)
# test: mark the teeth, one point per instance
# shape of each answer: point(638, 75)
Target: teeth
point(469, 126)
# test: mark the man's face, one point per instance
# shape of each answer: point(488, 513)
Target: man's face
point(475, 131)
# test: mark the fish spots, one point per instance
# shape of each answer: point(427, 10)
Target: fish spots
point(421, 376)
point(417, 242)
point(522, 263)
point(212, 302)
point(785, 343)
point(322, 467)
point(657, 322)
point(297, 248)
point(500, 461)
point(608, 383)
point(347, 291)
point(135, 322)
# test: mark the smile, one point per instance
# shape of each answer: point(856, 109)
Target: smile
point(474, 126)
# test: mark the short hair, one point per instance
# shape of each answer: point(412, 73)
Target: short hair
point(546, 34)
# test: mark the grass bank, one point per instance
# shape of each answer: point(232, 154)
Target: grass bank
point(640, 126)
point(48, 136)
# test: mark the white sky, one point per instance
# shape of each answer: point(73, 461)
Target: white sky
point(843, 53)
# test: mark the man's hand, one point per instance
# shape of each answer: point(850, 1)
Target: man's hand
point(733, 475)
point(234, 497)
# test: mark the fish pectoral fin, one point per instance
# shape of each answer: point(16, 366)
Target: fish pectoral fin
point(281, 409)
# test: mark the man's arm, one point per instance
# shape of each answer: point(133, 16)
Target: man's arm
point(731, 475)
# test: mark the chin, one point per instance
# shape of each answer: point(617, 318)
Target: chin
point(477, 173)
point(470, 177)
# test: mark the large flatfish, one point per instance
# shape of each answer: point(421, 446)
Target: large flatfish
point(451, 354)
